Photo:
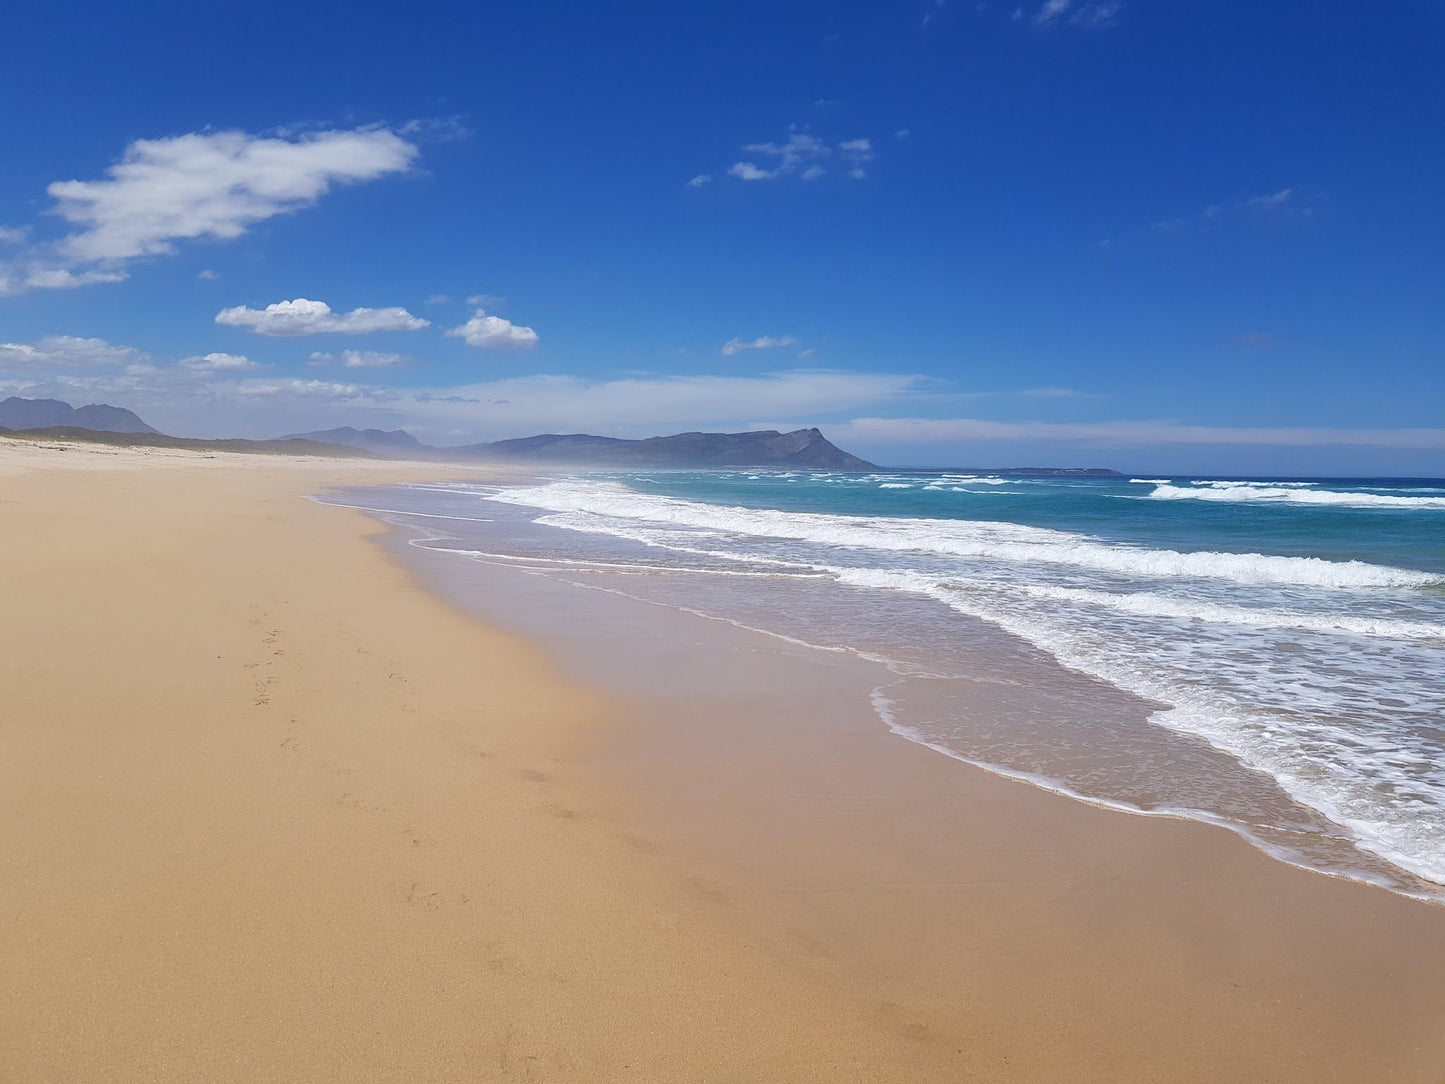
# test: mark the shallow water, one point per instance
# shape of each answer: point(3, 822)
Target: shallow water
point(1287, 638)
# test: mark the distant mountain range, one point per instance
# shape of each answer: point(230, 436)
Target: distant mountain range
point(16, 413)
point(807, 449)
point(387, 442)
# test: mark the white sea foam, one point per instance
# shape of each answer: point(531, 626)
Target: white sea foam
point(1259, 655)
point(1156, 605)
point(1286, 493)
point(986, 540)
point(1373, 786)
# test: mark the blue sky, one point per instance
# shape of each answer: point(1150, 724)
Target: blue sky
point(1194, 237)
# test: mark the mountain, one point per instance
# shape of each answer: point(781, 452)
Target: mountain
point(768, 448)
point(16, 413)
point(392, 442)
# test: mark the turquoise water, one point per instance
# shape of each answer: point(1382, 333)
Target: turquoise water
point(1264, 654)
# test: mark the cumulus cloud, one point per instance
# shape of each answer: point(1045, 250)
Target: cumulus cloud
point(11, 236)
point(219, 363)
point(490, 332)
point(357, 359)
point(699, 180)
point(67, 352)
point(212, 185)
point(305, 317)
point(486, 301)
point(762, 342)
point(746, 171)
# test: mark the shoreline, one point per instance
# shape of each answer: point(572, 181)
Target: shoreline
point(273, 809)
point(272, 812)
point(996, 650)
point(1184, 902)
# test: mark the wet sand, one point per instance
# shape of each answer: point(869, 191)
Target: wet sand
point(270, 811)
point(1041, 935)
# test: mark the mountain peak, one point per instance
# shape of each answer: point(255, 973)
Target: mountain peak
point(17, 413)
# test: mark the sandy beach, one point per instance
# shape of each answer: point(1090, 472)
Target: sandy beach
point(270, 810)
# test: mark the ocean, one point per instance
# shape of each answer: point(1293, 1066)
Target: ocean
point(1267, 655)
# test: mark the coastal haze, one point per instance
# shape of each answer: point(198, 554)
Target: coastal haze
point(829, 542)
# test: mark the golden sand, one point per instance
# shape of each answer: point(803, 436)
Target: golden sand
point(268, 811)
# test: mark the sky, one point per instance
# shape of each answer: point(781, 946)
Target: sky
point(1194, 237)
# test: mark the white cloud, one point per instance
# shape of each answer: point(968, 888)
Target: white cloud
point(67, 351)
point(1088, 14)
point(303, 389)
point(800, 155)
point(207, 275)
point(213, 184)
point(1055, 393)
point(493, 331)
point(219, 363)
point(304, 317)
point(1051, 10)
point(1133, 433)
point(799, 147)
point(53, 278)
point(1097, 14)
point(486, 301)
point(357, 359)
point(200, 185)
point(1276, 199)
point(762, 342)
point(699, 180)
point(438, 299)
point(11, 236)
point(746, 171)
point(902, 133)
point(857, 173)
